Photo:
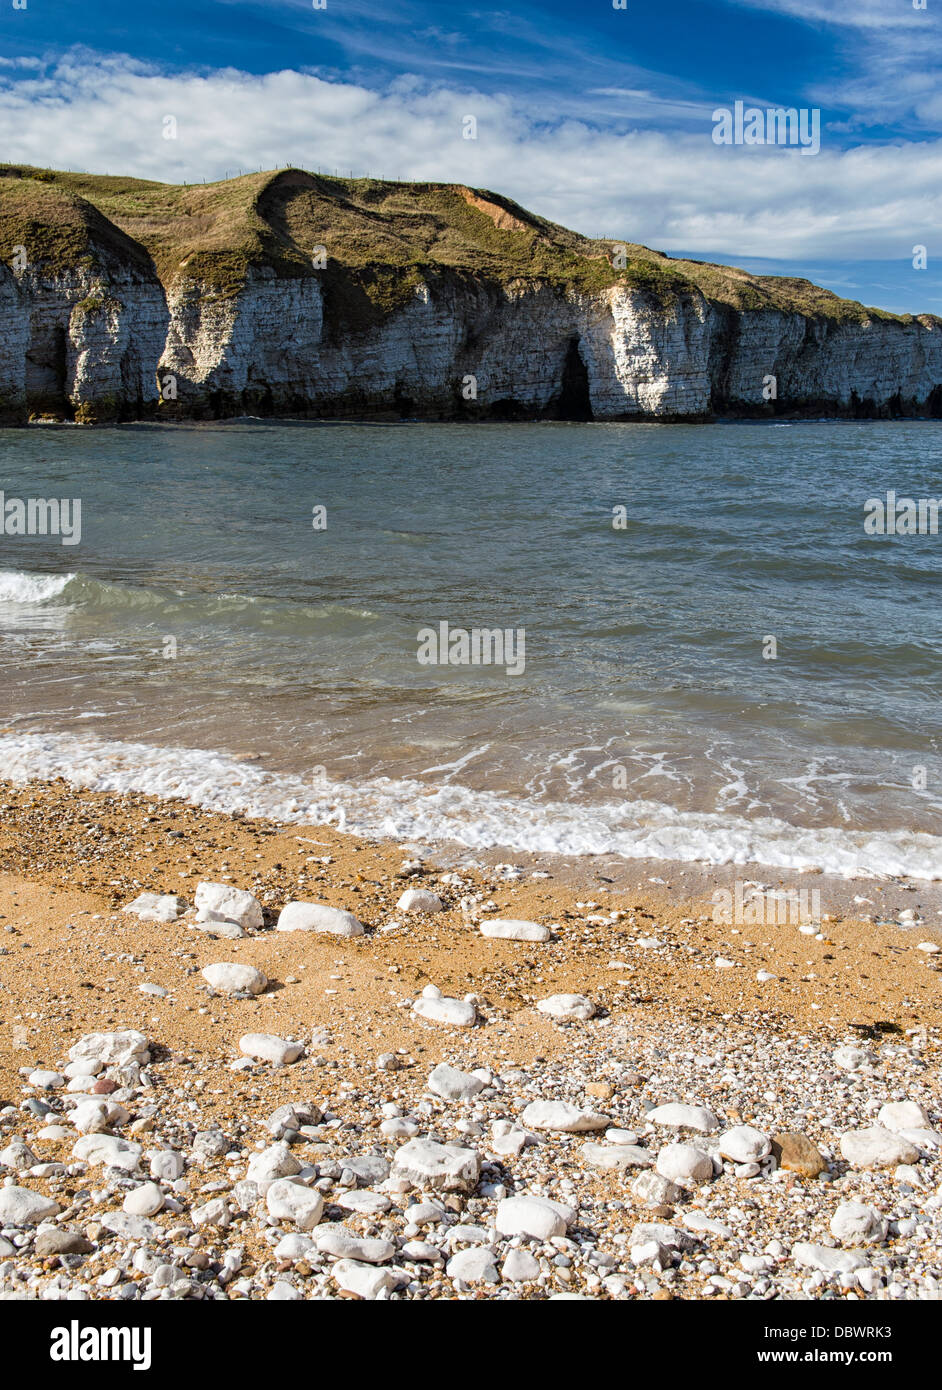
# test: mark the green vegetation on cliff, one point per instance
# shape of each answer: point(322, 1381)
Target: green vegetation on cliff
point(381, 240)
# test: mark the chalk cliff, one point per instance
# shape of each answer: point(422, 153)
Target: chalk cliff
point(293, 294)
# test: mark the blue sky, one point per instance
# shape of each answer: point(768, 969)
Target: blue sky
point(597, 117)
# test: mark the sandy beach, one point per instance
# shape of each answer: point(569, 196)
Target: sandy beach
point(771, 1028)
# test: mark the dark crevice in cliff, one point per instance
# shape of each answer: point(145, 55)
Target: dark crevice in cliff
point(575, 401)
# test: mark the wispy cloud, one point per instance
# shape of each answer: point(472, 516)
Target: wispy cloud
point(107, 114)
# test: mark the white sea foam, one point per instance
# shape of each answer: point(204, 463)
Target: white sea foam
point(16, 586)
point(410, 810)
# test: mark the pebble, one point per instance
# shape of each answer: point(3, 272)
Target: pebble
point(856, 1223)
point(21, 1206)
point(265, 1047)
point(684, 1164)
point(118, 1049)
point(743, 1144)
point(567, 1008)
point(156, 907)
point(146, 1200)
point(365, 1280)
point(318, 917)
point(876, 1147)
point(450, 1084)
point(617, 1157)
point(227, 977)
point(797, 1154)
point(533, 1216)
point(419, 900)
point(428, 1164)
point(220, 902)
point(677, 1116)
point(474, 1266)
point(654, 1190)
point(562, 1117)
point(822, 1257)
point(46, 1080)
point(59, 1240)
point(108, 1150)
point(510, 929)
point(454, 1013)
point(520, 1267)
point(898, 1116)
point(341, 1244)
point(291, 1201)
point(277, 1161)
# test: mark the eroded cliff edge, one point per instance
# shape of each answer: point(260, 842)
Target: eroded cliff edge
point(297, 295)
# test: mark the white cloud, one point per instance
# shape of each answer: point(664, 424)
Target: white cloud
point(849, 14)
point(106, 115)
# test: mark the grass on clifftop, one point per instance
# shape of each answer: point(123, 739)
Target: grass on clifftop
point(382, 239)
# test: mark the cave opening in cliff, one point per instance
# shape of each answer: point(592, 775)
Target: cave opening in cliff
point(574, 401)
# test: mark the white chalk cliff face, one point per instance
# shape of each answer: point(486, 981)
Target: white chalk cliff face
point(99, 344)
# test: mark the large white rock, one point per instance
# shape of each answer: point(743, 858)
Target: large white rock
point(318, 917)
point(833, 1262)
point(684, 1164)
point(220, 902)
point(341, 1244)
point(365, 1280)
point(109, 1151)
point(928, 1139)
point(291, 1201)
point(520, 1267)
point(451, 1084)
point(21, 1206)
point(655, 1190)
point(454, 1013)
point(562, 1117)
point(46, 1080)
point(877, 1148)
point(228, 977)
point(676, 1116)
point(266, 1047)
point(294, 1247)
point(425, 1163)
point(533, 1216)
point(419, 900)
point(145, 1200)
point(156, 907)
point(567, 1008)
point(117, 1049)
point(512, 929)
point(97, 1114)
point(166, 1165)
point(902, 1114)
point(855, 1223)
point(473, 1266)
point(277, 1161)
point(743, 1144)
point(283, 1292)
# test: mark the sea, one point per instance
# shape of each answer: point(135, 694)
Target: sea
point(714, 662)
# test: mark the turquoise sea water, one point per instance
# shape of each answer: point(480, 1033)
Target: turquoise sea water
point(646, 719)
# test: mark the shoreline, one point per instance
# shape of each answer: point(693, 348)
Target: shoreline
point(669, 1026)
